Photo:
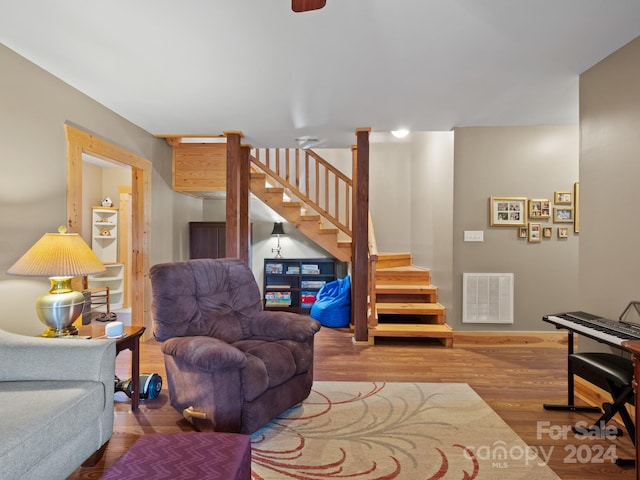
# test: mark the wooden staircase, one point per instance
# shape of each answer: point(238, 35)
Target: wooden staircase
point(295, 212)
point(406, 304)
point(402, 301)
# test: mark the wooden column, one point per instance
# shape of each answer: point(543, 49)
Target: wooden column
point(360, 239)
point(245, 178)
point(233, 194)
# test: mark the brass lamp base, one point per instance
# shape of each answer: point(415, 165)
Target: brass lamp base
point(65, 332)
point(59, 308)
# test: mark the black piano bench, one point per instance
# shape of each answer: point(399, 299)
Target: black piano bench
point(614, 374)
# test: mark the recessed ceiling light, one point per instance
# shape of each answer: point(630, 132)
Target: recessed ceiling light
point(400, 133)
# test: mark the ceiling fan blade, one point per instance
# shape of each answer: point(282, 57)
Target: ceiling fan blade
point(307, 5)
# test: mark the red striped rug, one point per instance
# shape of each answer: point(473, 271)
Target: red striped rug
point(380, 431)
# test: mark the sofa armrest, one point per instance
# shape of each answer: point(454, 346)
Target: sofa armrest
point(284, 325)
point(36, 358)
point(206, 353)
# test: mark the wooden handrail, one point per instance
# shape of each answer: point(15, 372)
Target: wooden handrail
point(323, 187)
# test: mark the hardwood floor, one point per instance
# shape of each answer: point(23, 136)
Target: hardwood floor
point(514, 377)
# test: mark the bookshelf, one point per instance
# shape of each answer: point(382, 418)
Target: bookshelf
point(292, 284)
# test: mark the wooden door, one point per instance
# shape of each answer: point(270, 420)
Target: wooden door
point(207, 239)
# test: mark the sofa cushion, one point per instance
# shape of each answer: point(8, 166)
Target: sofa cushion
point(38, 416)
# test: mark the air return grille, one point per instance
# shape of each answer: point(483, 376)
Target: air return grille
point(487, 298)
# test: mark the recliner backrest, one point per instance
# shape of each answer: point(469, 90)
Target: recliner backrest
point(204, 297)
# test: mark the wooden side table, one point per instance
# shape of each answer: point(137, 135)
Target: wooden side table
point(130, 341)
point(633, 346)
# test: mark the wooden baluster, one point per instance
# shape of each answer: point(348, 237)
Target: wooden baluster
point(297, 172)
point(306, 173)
point(287, 173)
point(317, 181)
point(336, 204)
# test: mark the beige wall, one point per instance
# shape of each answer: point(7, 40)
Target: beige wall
point(390, 195)
point(34, 107)
point(530, 162)
point(522, 161)
point(610, 183)
point(432, 163)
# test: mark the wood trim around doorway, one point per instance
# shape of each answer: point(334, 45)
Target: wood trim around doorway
point(79, 142)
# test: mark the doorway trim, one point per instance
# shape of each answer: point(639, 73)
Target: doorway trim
point(79, 142)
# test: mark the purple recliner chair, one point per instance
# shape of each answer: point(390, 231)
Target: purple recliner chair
point(231, 366)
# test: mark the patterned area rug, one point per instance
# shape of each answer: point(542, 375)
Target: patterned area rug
point(380, 431)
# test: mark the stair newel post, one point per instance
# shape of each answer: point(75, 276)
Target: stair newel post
point(233, 194)
point(360, 263)
point(245, 180)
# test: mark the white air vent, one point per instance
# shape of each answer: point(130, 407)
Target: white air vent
point(487, 298)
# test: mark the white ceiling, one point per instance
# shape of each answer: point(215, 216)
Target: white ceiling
point(205, 66)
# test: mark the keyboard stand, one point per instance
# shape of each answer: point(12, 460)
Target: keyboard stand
point(570, 405)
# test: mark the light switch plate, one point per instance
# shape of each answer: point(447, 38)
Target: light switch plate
point(473, 236)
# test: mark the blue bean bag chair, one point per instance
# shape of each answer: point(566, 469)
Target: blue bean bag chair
point(332, 307)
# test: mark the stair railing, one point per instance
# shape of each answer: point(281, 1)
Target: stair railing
point(326, 189)
point(373, 260)
point(312, 179)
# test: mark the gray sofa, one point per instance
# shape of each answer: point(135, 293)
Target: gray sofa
point(56, 404)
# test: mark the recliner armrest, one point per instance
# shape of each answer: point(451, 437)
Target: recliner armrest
point(206, 353)
point(284, 325)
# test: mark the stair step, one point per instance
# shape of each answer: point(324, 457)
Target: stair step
point(403, 275)
point(442, 332)
point(328, 231)
point(400, 293)
point(393, 259)
point(406, 288)
point(292, 204)
point(310, 218)
point(409, 309)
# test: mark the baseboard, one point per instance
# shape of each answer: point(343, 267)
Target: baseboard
point(511, 339)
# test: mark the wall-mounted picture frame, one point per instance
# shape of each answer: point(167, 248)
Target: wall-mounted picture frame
point(547, 232)
point(563, 232)
point(535, 234)
point(539, 208)
point(562, 198)
point(562, 214)
point(576, 206)
point(508, 211)
point(523, 232)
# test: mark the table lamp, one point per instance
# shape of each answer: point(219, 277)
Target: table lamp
point(59, 256)
point(277, 230)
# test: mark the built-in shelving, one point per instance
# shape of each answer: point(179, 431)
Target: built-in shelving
point(292, 284)
point(104, 233)
point(104, 243)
